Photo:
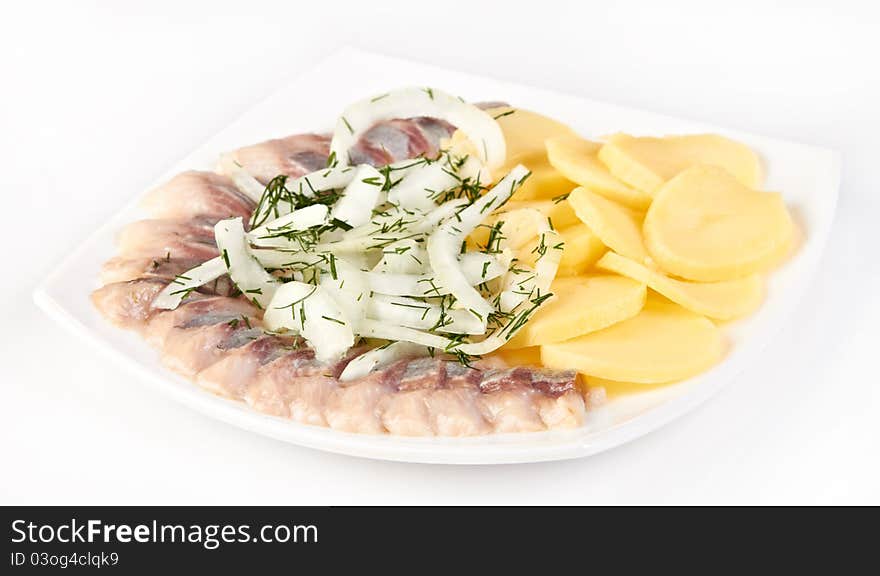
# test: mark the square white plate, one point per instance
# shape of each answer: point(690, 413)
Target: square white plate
point(807, 176)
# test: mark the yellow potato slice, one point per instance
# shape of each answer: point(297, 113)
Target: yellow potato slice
point(617, 227)
point(581, 249)
point(525, 132)
point(614, 389)
point(545, 182)
point(581, 305)
point(646, 163)
point(722, 300)
point(706, 226)
point(520, 356)
point(577, 160)
point(560, 212)
point(519, 225)
point(664, 342)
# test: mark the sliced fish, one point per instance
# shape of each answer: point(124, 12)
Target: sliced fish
point(198, 194)
point(293, 156)
point(188, 351)
point(128, 304)
point(199, 312)
point(231, 375)
point(191, 239)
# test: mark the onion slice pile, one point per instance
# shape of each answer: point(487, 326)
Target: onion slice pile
point(354, 252)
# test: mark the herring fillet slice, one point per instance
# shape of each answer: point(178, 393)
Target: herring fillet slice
point(254, 282)
point(477, 124)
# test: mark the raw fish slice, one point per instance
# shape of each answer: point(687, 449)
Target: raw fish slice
point(552, 383)
point(454, 412)
point(294, 156)
point(460, 376)
point(406, 413)
point(394, 140)
point(121, 269)
point(384, 143)
point(356, 407)
point(307, 398)
point(191, 194)
point(403, 138)
point(190, 350)
point(203, 311)
point(565, 411)
point(185, 239)
point(281, 381)
point(416, 374)
point(231, 375)
point(127, 304)
point(434, 132)
point(512, 411)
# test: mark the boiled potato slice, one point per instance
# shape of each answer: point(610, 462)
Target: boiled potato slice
point(721, 300)
point(617, 227)
point(664, 342)
point(705, 225)
point(581, 305)
point(520, 356)
point(614, 389)
point(647, 163)
point(525, 132)
point(581, 249)
point(517, 224)
point(545, 182)
point(577, 160)
point(560, 212)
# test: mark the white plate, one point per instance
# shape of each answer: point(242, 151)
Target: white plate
point(807, 176)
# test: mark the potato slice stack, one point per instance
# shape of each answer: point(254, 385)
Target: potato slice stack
point(664, 238)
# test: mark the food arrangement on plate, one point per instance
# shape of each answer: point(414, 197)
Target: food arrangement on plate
point(440, 268)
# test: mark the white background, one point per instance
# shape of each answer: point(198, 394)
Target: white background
point(100, 97)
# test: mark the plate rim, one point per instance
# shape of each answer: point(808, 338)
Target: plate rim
point(493, 449)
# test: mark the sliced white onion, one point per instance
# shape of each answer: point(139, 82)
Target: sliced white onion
point(173, 294)
point(254, 282)
point(414, 223)
point(271, 235)
point(545, 269)
point(419, 188)
point(445, 243)
point(426, 285)
point(479, 267)
point(360, 197)
point(310, 311)
point(377, 329)
point(483, 131)
point(346, 284)
point(379, 358)
point(313, 215)
point(322, 180)
point(422, 315)
point(284, 310)
point(438, 215)
point(308, 185)
point(243, 180)
point(403, 257)
point(278, 259)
